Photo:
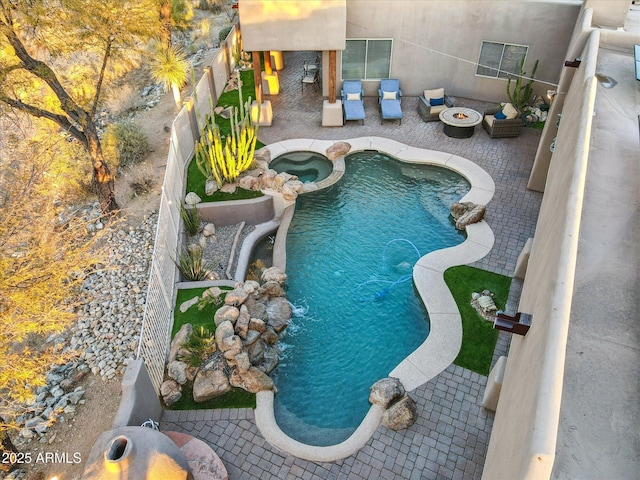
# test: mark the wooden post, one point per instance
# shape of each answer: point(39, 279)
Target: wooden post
point(257, 75)
point(332, 76)
point(267, 62)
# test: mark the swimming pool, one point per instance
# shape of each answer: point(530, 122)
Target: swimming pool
point(350, 254)
point(307, 166)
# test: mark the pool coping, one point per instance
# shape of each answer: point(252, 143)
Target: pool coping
point(442, 345)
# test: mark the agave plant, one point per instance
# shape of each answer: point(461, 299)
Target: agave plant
point(201, 345)
point(192, 264)
point(191, 219)
point(520, 95)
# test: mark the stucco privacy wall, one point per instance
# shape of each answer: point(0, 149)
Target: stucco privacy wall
point(156, 326)
point(523, 438)
point(293, 25)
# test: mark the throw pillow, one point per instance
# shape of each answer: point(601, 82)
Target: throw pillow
point(500, 115)
point(353, 96)
point(388, 95)
point(437, 101)
point(510, 111)
point(435, 93)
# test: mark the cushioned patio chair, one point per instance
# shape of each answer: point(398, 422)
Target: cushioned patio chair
point(502, 122)
point(389, 96)
point(352, 104)
point(432, 102)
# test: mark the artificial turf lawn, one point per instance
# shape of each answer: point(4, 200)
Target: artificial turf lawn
point(237, 397)
point(478, 335)
point(195, 178)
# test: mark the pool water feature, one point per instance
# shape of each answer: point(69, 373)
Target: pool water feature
point(307, 166)
point(350, 255)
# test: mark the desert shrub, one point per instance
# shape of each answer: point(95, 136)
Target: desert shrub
point(223, 33)
point(141, 179)
point(124, 144)
point(201, 345)
point(214, 6)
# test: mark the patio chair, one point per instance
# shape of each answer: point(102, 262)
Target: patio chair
point(506, 127)
point(432, 102)
point(389, 95)
point(352, 104)
point(310, 76)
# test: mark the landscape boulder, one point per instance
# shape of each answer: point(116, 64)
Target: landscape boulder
point(338, 149)
point(170, 392)
point(179, 340)
point(401, 414)
point(210, 384)
point(386, 391)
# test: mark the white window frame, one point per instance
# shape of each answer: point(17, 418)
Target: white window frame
point(366, 55)
point(500, 74)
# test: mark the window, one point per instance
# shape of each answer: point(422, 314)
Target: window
point(499, 60)
point(366, 59)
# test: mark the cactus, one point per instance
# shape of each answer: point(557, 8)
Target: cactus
point(521, 95)
point(223, 159)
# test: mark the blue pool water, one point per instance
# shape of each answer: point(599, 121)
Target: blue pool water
point(307, 166)
point(350, 254)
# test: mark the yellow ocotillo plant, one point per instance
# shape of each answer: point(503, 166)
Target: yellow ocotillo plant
point(223, 159)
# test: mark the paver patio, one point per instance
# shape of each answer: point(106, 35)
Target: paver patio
point(450, 437)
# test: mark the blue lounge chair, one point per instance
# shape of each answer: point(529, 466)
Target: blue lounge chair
point(389, 95)
point(352, 100)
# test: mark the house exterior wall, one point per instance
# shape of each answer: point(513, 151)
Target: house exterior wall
point(436, 43)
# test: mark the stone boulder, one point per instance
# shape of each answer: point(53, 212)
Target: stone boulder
point(210, 384)
point(279, 312)
point(249, 182)
point(237, 296)
point(213, 292)
point(386, 391)
point(242, 322)
point(170, 392)
point(338, 149)
point(269, 336)
point(177, 370)
point(226, 313)
point(273, 274)
point(179, 340)
point(466, 213)
point(253, 380)
point(272, 289)
point(223, 331)
point(401, 414)
point(192, 198)
point(209, 229)
point(262, 155)
point(186, 305)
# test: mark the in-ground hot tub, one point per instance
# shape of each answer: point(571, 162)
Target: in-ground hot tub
point(307, 166)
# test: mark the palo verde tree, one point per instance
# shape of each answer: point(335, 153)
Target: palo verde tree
point(45, 254)
point(55, 57)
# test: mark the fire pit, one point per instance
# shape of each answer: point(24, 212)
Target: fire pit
point(460, 122)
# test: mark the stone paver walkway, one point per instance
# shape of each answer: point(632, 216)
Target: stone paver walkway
point(450, 438)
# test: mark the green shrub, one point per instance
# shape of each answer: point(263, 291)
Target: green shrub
point(124, 144)
point(223, 33)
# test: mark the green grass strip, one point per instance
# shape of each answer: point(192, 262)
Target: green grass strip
point(237, 397)
point(478, 335)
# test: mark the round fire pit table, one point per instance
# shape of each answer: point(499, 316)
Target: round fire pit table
point(460, 122)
